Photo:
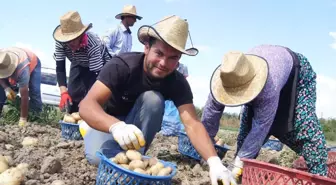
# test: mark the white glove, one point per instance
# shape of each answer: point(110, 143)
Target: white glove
point(128, 136)
point(218, 172)
point(237, 171)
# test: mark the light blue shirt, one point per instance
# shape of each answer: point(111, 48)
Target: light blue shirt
point(118, 40)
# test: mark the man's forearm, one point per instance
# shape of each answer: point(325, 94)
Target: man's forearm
point(201, 140)
point(94, 115)
point(24, 106)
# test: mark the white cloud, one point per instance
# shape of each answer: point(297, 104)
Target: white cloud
point(333, 35)
point(325, 103)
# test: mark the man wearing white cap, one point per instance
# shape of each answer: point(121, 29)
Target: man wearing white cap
point(21, 67)
point(133, 88)
point(119, 39)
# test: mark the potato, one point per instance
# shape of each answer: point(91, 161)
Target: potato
point(80, 121)
point(216, 138)
point(136, 164)
point(165, 171)
point(153, 161)
point(121, 158)
point(154, 170)
point(69, 119)
point(125, 166)
point(146, 162)
point(29, 141)
point(133, 155)
point(76, 116)
point(3, 166)
point(139, 170)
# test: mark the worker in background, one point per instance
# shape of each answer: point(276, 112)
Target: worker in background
point(22, 68)
point(119, 39)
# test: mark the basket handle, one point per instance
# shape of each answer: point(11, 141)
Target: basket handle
point(99, 154)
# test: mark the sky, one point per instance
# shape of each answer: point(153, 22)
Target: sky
point(216, 27)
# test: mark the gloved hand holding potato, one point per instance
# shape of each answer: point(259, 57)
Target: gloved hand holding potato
point(128, 136)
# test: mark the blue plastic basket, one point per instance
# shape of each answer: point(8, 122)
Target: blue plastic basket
point(186, 148)
point(70, 131)
point(110, 173)
point(273, 144)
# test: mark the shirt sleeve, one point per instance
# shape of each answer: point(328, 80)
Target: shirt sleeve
point(24, 77)
point(264, 113)
point(212, 113)
point(180, 91)
point(114, 74)
point(112, 42)
point(59, 57)
point(96, 58)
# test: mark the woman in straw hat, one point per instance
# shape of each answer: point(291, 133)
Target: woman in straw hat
point(21, 67)
point(134, 86)
point(119, 40)
point(87, 55)
point(278, 90)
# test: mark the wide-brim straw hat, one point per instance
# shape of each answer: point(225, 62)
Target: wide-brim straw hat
point(8, 63)
point(239, 79)
point(128, 10)
point(71, 27)
point(172, 30)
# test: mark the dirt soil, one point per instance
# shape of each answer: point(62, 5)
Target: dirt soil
point(53, 159)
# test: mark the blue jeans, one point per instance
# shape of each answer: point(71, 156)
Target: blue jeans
point(35, 101)
point(146, 114)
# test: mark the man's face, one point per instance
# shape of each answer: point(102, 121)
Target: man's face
point(160, 59)
point(130, 20)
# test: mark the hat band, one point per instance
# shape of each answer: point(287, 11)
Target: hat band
point(248, 81)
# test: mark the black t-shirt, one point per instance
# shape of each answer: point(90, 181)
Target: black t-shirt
point(125, 77)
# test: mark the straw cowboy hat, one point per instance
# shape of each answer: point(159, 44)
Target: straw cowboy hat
point(71, 27)
point(8, 63)
point(172, 30)
point(239, 79)
point(128, 10)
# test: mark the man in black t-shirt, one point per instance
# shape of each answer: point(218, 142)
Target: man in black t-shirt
point(133, 87)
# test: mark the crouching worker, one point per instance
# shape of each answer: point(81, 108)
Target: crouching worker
point(133, 87)
point(277, 87)
point(22, 68)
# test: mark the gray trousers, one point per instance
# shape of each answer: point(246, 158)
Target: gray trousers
point(146, 114)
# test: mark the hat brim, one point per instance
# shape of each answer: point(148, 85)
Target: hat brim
point(5, 73)
point(118, 16)
point(146, 31)
point(232, 97)
point(60, 37)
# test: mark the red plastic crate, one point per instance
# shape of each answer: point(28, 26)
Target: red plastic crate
point(300, 164)
point(262, 173)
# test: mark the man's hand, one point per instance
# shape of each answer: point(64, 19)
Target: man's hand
point(237, 171)
point(65, 98)
point(22, 121)
point(128, 136)
point(11, 95)
point(218, 172)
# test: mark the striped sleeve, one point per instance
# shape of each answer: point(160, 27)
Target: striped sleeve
point(95, 53)
point(59, 54)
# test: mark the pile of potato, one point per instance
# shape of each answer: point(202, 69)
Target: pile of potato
point(11, 175)
point(72, 118)
point(133, 160)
